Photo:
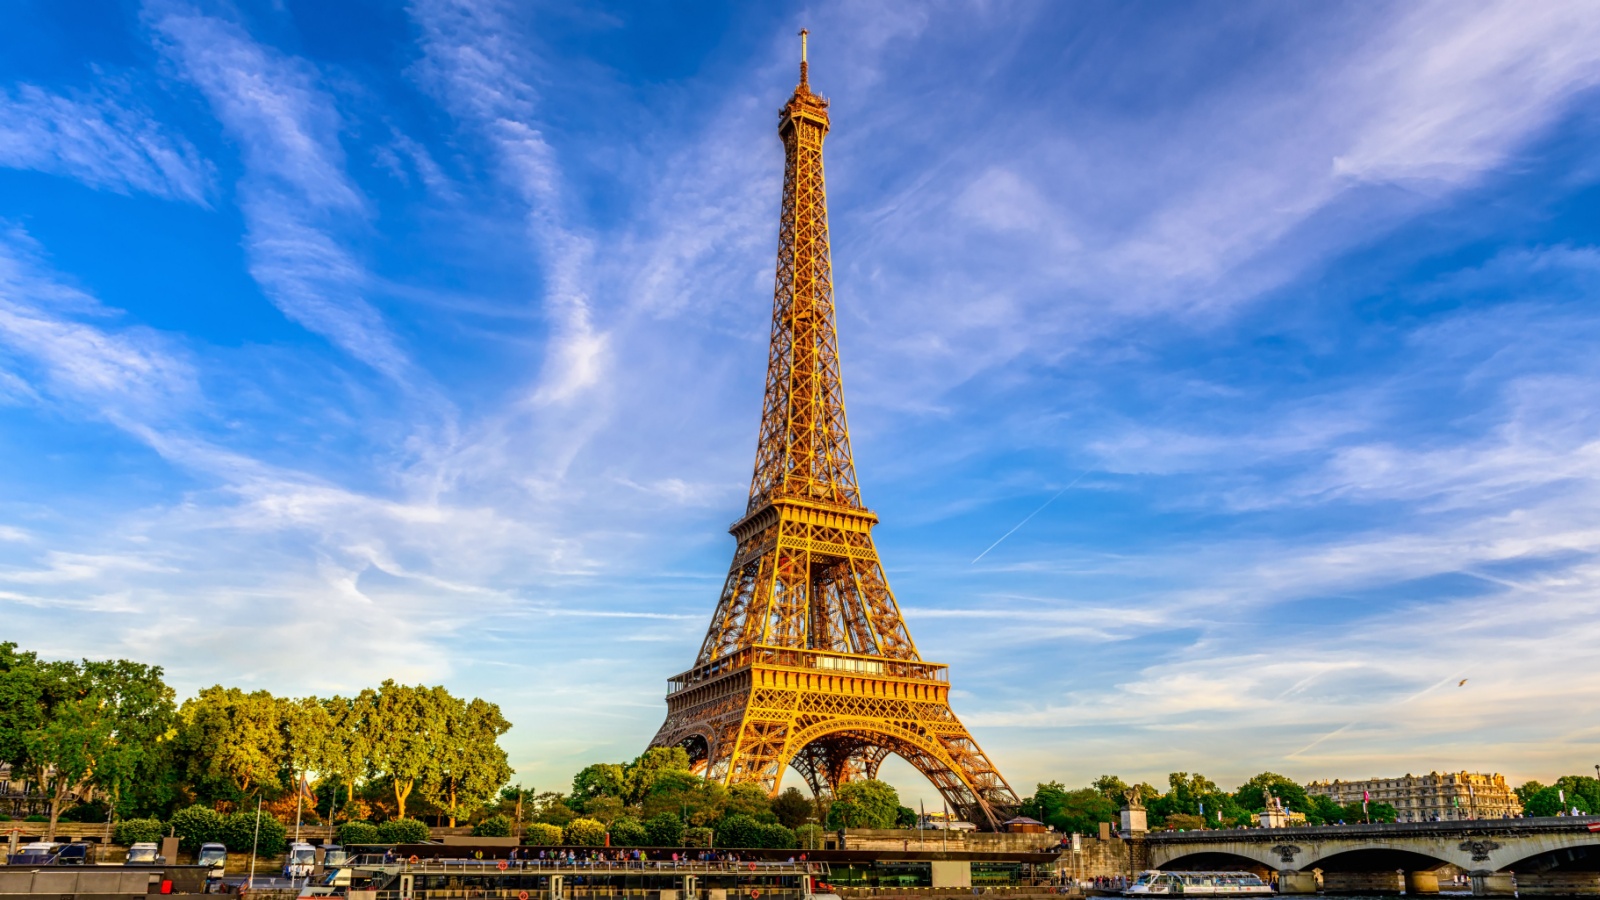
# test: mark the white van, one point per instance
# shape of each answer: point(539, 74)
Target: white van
point(302, 859)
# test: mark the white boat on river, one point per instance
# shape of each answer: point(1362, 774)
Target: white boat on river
point(1198, 884)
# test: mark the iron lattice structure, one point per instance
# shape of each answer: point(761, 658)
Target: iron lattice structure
point(807, 662)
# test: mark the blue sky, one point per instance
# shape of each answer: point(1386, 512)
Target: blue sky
point(350, 341)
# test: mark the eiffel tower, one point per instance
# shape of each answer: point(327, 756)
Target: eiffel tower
point(807, 662)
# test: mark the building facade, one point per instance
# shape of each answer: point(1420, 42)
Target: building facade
point(1434, 797)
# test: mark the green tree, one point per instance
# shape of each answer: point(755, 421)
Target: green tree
point(136, 721)
point(196, 825)
point(1252, 795)
point(1549, 802)
point(809, 836)
point(868, 803)
point(347, 747)
point(595, 781)
point(1526, 791)
point(640, 776)
point(358, 833)
point(738, 830)
point(136, 831)
point(698, 801)
point(1581, 786)
point(542, 834)
point(307, 733)
point(777, 837)
point(240, 835)
point(664, 830)
point(750, 800)
point(627, 831)
point(469, 764)
point(493, 826)
point(551, 808)
point(1066, 811)
point(231, 743)
point(1183, 822)
point(793, 807)
point(1111, 787)
point(604, 809)
point(584, 833)
point(405, 724)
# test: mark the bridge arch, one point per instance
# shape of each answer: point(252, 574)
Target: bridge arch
point(1581, 856)
point(1221, 861)
point(1375, 858)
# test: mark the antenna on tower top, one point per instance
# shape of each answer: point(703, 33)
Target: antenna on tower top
point(803, 33)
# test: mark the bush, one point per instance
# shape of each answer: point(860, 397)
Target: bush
point(37, 818)
point(777, 837)
point(403, 831)
point(494, 826)
point(239, 833)
point(137, 831)
point(95, 811)
point(809, 836)
point(627, 831)
point(664, 830)
point(543, 834)
point(697, 837)
point(584, 833)
point(738, 830)
point(195, 825)
point(357, 833)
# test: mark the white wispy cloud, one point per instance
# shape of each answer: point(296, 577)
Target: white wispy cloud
point(296, 195)
point(101, 138)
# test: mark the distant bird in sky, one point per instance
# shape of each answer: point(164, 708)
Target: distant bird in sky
point(1461, 682)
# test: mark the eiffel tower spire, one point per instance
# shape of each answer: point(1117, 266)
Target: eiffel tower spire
point(807, 662)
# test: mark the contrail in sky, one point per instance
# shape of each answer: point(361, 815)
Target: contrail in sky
point(1343, 728)
point(1031, 515)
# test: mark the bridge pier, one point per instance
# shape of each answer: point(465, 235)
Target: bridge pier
point(1422, 882)
point(1493, 884)
point(1291, 881)
point(1363, 882)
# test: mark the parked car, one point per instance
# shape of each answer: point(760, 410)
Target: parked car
point(145, 853)
point(216, 857)
point(38, 853)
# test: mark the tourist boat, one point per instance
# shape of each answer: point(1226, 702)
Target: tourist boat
point(1198, 884)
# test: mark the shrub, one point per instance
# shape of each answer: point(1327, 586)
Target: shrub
point(94, 811)
point(494, 826)
point(777, 837)
point(37, 818)
point(664, 830)
point(543, 834)
point(403, 831)
point(810, 836)
point(627, 831)
point(738, 830)
point(136, 831)
point(4, 817)
point(239, 833)
point(584, 833)
point(697, 837)
point(195, 825)
point(357, 833)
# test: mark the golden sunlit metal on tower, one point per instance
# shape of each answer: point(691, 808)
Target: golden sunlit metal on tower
point(807, 662)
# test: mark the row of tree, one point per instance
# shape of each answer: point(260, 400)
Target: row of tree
point(1193, 801)
point(109, 735)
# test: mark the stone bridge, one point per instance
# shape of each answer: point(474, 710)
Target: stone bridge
point(1527, 855)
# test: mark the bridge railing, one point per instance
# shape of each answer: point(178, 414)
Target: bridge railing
point(1556, 824)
